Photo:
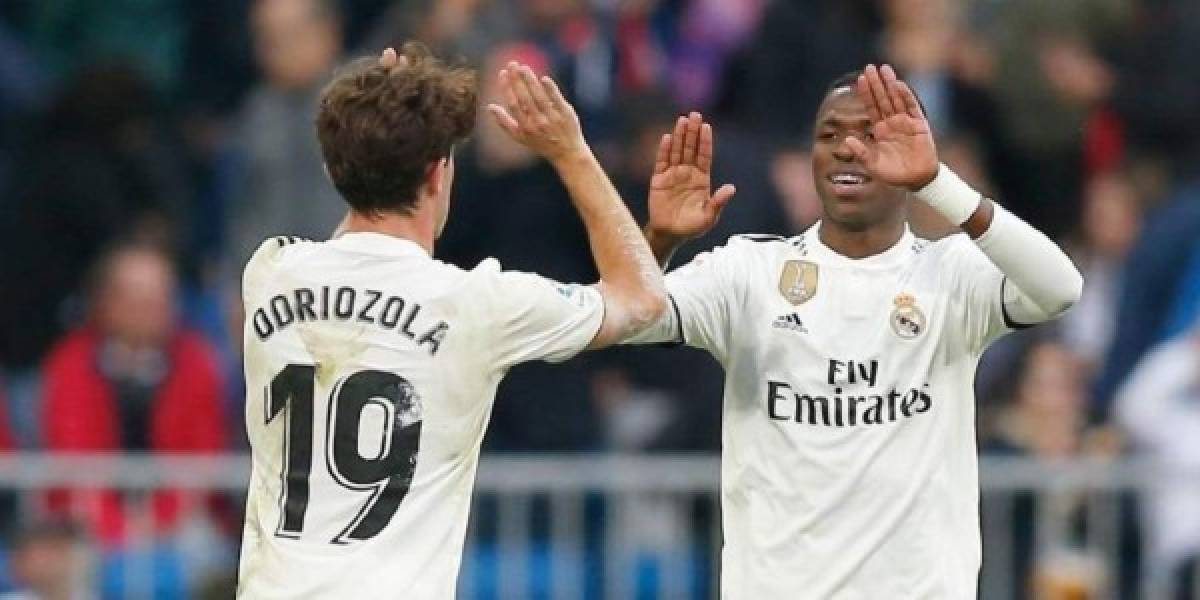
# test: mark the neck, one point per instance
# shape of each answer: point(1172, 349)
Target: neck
point(860, 244)
point(417, 227)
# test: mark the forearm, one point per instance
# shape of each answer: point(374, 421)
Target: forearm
point(1045, 281)
point(629, 277)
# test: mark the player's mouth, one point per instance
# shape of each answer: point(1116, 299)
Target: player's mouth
point(848, 183)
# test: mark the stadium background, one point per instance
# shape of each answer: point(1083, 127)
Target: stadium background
point(148, 145)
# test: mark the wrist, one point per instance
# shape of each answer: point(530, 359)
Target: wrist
point(573, 158)
point(950, 196)
point(925, 181)
point(662, 243)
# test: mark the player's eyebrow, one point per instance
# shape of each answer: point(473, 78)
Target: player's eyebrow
point(833, 120)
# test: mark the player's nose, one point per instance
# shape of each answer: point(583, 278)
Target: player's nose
point(842, 151)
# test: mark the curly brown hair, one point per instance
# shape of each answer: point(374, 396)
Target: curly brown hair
point(381, 127)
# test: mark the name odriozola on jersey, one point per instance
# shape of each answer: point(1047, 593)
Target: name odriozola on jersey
point(370, 374)
point(849, 458)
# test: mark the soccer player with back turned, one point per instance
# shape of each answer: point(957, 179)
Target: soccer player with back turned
point(849, 465)
point(371, 367)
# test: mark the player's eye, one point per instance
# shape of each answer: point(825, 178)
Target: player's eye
point(826, 136)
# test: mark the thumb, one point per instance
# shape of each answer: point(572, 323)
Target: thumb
point(722, 197)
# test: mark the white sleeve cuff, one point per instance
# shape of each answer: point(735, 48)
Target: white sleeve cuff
point(950, 196)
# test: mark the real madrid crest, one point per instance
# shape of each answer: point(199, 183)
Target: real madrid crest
point(907, 320)
point(798, 282)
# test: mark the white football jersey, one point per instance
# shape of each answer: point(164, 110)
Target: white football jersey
point(848, 440)
point(370, 374)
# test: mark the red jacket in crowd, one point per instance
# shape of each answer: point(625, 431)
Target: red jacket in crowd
point(80, 414)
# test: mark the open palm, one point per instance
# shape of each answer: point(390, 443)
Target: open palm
point(903, 152)
point(681, 204)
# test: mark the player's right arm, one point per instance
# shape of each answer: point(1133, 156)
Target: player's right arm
point(682, 207)
point(534, 112)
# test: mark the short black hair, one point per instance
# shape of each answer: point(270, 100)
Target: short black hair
point(850, 80)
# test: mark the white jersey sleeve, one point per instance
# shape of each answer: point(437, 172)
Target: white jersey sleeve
point(704, 295)
point(538, 318)
point(979, 292)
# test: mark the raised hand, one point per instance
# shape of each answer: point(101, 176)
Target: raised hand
point(903, 152)
point(536, 115)
point(681, 204)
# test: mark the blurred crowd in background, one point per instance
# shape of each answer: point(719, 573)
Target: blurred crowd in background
point(148, 146)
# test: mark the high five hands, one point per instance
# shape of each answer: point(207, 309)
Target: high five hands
point(903, 152)
point(681, 204)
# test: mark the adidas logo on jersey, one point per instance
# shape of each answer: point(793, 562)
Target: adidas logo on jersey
point(790, 321)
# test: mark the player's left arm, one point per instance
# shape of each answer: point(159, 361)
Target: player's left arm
point(1042, 281)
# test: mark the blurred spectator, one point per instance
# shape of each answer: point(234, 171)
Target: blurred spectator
point(282, 187)
point(1157, 92)
point(1046, 421)
point(50, 560)
point(99, 166)
point(1111, 219)
point(1046, 415)
point(1051, 83)
point(131, 380)
point(1161, 262)
point(1159, 405)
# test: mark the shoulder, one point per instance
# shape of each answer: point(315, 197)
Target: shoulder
point(951, 250)
point(751, 247)
point(74, 348)
point(268, 257)
point(489, 280)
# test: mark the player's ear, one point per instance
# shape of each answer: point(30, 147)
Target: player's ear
point(436, 175)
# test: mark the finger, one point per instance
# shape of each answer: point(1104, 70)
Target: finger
point(555, 96)
point(507, 91)
point(520, 102)
point(503, 119)
point(662, 159)
point(911, 105)
point(677, 141)
point(892, 83)
point(868, 99)
point(879, 91)
point(722, 198)
point(534, 89)
point(704, 154)
point(691, 138)
point(857, 148)
point(388, 59)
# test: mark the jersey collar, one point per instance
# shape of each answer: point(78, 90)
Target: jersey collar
point(898, 253)
point(379, 243)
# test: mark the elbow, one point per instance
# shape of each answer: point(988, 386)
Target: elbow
point(1067, 294)
point(647, 308)
point(1074, 290)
